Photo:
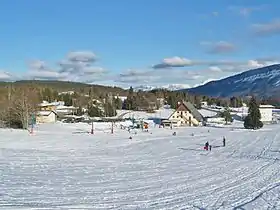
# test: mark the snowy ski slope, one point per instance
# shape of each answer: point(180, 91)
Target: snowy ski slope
point(63, 167)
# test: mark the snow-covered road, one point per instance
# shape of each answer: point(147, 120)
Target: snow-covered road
point(56, 169)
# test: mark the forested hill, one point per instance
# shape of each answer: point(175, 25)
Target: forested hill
point(66, 86)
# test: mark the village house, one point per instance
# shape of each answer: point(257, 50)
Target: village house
point(58, 107)
point(185, 115)
point(46, 117)
point(265, 111)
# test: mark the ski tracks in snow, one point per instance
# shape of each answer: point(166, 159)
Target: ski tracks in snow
point(147, 172)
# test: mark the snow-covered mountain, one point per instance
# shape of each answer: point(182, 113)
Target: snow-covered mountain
point(171, 87)
point(263, 82)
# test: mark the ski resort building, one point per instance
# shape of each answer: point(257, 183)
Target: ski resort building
point(186, 114)
point(266, 113)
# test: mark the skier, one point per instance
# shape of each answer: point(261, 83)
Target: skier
point(206, 146)
point(210, 147)
point(224, 141)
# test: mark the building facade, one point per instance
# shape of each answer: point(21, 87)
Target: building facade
point(266, 113)
point(46, 117)
point(186, 114)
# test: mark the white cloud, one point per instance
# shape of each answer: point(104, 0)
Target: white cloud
point(215, 69)
point(93, 70)
point(76, 66)
point(265, 29)
point(174, 70)
point(210, 70)
point(174, 62)
point(37, 64)
point(46, 75)
point(246, 11)
point(81, 56)
point(220, 47)
point(163, 77)
point(5, 76)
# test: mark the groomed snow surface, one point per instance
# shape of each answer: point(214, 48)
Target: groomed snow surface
point(63, 167)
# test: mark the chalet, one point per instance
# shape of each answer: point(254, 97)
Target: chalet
point(186, 114)
point(46, 117)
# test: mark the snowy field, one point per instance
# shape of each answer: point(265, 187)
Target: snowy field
point(63, 167)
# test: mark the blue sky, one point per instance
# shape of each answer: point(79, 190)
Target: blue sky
point(147, 42)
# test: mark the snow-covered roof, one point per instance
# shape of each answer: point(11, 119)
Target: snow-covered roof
point(45, 113)
point(207, 113)
point(266, 106)
point(65, 107)
point(161, 113)
point(55, 103)
point(122, 98)
point(66, 92)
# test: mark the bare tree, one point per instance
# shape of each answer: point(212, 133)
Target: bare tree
point(24, 102)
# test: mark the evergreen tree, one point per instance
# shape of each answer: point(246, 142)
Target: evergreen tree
point(118, 103)
point(226, 114)
point(79, 111)
point(131, 100)
point(171, 100)
point(252, 121)
point(235, 102)
point(47, 95)
point(94, 111)
point(109, 107)
point(197, 102)
point(67, 98)
point(110, 110)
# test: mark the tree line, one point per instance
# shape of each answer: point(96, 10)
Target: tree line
point(18, 101)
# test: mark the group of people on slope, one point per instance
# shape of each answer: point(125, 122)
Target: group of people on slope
point(209, 147)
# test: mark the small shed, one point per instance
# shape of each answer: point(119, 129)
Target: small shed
point(46, 117)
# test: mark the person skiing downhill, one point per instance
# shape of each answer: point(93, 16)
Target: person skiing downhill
point(206, 146)
point(224, 141)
